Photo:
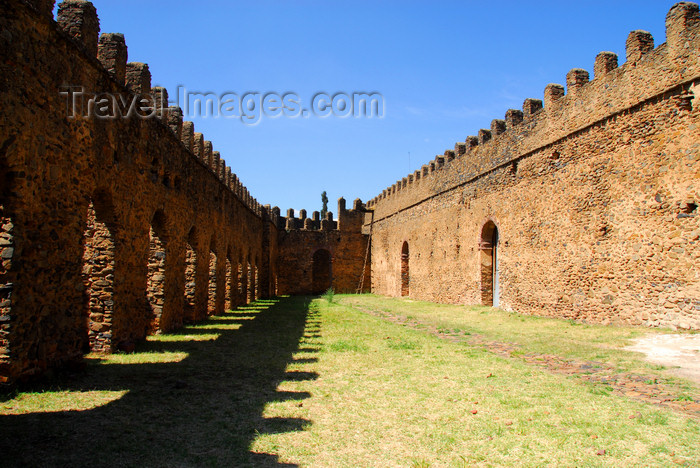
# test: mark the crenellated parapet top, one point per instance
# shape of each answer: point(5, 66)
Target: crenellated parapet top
point(78, 18)
point(346, 218)
point(648, 73)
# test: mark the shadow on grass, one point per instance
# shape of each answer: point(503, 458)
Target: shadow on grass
point(205, 410)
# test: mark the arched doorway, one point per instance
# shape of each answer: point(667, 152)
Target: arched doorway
point(405, 276)
point(488, 251)
point(321, 276)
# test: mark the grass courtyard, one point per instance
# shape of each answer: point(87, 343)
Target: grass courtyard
point(361, 381)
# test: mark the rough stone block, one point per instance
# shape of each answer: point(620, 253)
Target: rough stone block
point(79, 19)
point(682, 26)
point(531, 106)
point(138, 77)
point(576, 78)
point(513, 118)
point(638, 43)
point(605, 62)
point(112, 53)
point(552, 93)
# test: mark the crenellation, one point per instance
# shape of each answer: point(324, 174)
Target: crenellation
point(229, 178)
point(513, 117)
point(221, 169)
point(449, 155)
point(575, 79)
point(426, 169)
point(531, 107)
point(682, 26)
point(416, 175)
point(112, 54)
point(160, 96)
point(138, 78)
point(552, 93)
point(187, 135)
point(605, 62)
point(215, 161)
point(638, 44)
point(460, 148)
point(484, 136)
point(207, 155)
point(174, 116)
point(471, 142)
point(498, 126)
point(78, 18)
point(198, 145)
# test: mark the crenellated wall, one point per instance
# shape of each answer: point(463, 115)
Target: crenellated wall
point(315, 255)
point(112, 228)
point(593, 194)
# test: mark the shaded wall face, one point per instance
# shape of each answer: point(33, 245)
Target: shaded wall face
point(600, 226)
point(98, 278)
point(87, 277)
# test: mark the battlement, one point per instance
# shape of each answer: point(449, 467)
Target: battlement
point(347, 219)
point(649, 73)
point(79, 20)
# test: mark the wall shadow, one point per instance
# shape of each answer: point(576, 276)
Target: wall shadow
point(202, 411)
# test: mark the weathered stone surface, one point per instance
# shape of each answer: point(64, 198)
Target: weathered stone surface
point(594, 200)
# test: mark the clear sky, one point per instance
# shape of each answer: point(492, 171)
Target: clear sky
point(444, 69)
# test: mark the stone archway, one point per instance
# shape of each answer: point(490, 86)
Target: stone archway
point(488, 257)
point(405, 273)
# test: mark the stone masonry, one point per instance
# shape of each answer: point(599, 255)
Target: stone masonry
point(583, 206)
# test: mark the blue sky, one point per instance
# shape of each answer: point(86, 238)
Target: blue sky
point(444, 69)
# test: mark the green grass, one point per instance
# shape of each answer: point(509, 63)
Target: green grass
point(566, 338)
point(325, 384)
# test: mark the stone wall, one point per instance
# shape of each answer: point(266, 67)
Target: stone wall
point(316, 254)
point(592, 195)
point(107, 224)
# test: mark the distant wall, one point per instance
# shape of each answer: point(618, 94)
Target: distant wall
point(299, 241)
